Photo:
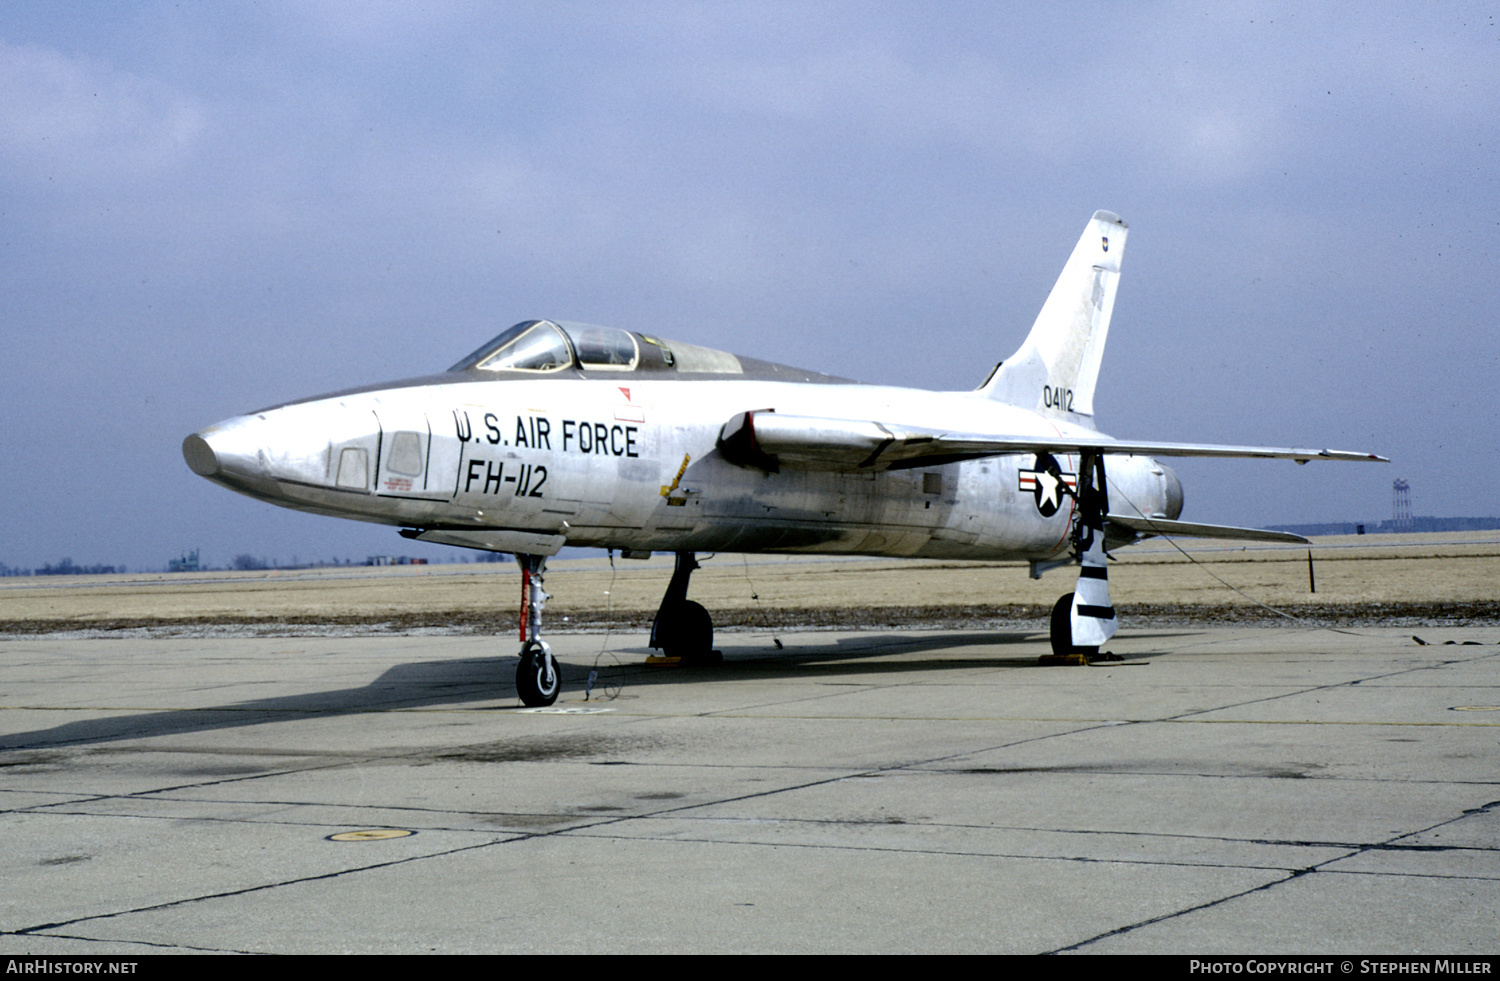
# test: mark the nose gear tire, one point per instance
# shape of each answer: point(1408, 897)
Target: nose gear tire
point(537, 679)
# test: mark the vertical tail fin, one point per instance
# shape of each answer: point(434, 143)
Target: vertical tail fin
point(1057, 366)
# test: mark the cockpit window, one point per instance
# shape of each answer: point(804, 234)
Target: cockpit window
point(602, 347)
point(532, 345)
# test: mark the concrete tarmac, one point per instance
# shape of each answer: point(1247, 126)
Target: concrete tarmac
point(1226, 790)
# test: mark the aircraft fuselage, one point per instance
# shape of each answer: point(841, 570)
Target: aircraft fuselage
point(628, 462)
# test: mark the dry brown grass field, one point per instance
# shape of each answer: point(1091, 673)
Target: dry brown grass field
point(1442, 576)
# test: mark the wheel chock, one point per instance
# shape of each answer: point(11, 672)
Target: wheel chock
point(1055, 659)
point(665, 661)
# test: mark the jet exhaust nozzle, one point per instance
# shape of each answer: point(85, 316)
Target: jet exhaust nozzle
point(1173, 493)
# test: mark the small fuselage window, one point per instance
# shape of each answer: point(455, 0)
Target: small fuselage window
point(405, 455)
point(354, 469)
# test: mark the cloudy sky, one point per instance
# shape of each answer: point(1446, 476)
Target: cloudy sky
point(209, 208)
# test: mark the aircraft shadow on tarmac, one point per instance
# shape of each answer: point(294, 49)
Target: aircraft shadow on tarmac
point(440, 683)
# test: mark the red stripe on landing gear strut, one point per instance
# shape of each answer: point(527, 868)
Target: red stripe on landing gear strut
point(525, 599)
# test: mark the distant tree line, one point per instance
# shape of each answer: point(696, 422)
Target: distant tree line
point(67, 568)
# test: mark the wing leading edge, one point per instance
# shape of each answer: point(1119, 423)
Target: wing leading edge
point(769, 440)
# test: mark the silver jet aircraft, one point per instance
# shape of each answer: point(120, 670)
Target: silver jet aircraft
point(558, 433)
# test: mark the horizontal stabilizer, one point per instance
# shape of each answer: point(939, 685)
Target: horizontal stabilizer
point(770, 440)
point(1189, 529)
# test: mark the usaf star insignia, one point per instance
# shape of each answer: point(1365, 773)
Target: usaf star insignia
point(1048, 484)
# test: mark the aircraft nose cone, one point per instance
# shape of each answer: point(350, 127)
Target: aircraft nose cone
point(255, 453)
point(225, 451)
point(200, 456)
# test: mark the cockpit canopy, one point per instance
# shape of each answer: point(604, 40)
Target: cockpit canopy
point(542, 345)
point(556, 345)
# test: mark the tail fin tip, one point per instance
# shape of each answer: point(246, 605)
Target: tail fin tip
point(1055, 370)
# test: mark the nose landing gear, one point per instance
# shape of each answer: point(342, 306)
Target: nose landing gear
point(538, 680)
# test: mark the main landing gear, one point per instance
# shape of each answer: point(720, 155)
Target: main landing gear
point(537, 679)
point(683, 629)
point(1084, 619)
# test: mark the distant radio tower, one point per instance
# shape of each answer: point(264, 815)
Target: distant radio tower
point(1401, 509)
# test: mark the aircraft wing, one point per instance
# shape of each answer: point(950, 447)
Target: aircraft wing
point(1189, 529)
point(771, 440)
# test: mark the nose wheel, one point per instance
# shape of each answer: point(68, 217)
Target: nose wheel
point(537, 679)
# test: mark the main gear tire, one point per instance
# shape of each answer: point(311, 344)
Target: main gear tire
point(1062, 630)
point(686, 631)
